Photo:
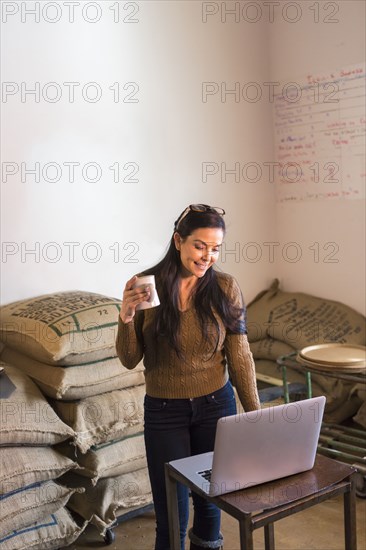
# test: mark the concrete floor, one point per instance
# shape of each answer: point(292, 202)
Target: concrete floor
point(318, 528)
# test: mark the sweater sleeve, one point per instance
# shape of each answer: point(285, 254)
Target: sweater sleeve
point(240, 359)
point(129, 343)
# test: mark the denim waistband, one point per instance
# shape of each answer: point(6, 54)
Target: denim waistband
point(202, 398)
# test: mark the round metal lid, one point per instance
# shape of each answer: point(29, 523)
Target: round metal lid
point(335, 355)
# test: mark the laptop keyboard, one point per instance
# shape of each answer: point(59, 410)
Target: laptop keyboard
point(206, 474)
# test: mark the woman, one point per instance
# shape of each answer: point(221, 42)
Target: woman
point(191, 343)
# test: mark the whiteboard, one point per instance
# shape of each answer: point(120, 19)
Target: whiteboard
point(320, 124)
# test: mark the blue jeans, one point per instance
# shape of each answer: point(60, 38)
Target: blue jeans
point(177, 428)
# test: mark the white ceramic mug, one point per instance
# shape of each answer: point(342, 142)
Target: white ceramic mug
point(148, 280)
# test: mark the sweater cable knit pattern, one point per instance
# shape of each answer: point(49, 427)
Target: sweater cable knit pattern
point(199, 371)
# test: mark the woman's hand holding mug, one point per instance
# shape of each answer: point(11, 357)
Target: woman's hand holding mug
point(139, 293)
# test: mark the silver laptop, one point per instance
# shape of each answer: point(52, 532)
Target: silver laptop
point(256, 447)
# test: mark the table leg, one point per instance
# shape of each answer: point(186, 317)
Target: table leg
point(349, 500)
point(309, 386)
point(246, 533)
point(173, 513)
point(286, 394)
point(269, 536)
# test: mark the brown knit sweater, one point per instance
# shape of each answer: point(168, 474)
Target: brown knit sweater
point(199, 372)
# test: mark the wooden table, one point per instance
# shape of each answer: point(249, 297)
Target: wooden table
point(262, 505)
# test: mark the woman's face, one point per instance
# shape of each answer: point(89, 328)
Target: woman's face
point(200, 250)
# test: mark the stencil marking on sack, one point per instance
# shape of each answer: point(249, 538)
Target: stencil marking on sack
point(310, 322)
point(56, 312)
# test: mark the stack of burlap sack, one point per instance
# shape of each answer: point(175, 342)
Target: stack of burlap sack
point(280, 323)
point(32, 503)
point(66, 343)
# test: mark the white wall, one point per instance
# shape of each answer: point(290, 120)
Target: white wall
point(335, 267)
point(168, 133)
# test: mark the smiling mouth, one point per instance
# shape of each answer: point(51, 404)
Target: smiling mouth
point(201, 266)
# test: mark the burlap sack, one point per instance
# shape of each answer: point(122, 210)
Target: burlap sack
point(21, 508)
point(360, 416)
point(269, 348)
point(101, 502)
point(22, 466)
point(54, 531)
point(301, 319)
point(359, 391)
point(339, 405)
point(110, 459)
point(65, 328)
point(26, 418)
point(104, 417)
point(77, 382)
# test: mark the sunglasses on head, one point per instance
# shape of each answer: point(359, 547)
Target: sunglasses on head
point(199, 208)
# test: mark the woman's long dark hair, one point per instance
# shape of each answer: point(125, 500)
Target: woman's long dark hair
point(208, 296)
